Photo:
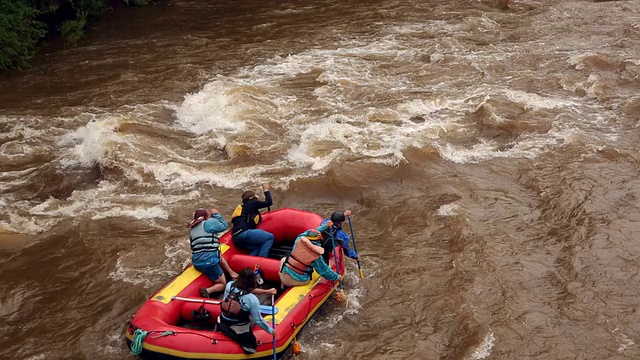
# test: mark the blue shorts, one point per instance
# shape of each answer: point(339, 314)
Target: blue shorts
point(208, 263)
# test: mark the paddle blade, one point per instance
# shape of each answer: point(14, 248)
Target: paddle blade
point(267, 310)
point(296, 347)
point(361, 274)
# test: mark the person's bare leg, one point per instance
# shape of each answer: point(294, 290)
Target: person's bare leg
point(225, 266)
point(218, 285)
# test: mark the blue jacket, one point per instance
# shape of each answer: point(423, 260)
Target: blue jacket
point(214, 224)
point(341, 238)
point(318, 264)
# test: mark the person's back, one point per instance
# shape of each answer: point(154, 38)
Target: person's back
point(306, 256)
point(245, 219)
point(238, 308)
point(205, 248)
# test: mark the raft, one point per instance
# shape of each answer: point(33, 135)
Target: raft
point(167, 317)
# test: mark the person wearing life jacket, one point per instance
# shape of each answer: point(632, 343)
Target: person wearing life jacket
point(245, 219)
point(306, 256)
point(340, 238)
point(240, 309)
point(205, 248)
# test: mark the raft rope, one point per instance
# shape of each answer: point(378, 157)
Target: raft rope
point(136, 344)
point(138, 338)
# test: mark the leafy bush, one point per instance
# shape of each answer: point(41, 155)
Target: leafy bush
point(24, 23)
point(20, 33)
point(137, 2)
point(72, 30)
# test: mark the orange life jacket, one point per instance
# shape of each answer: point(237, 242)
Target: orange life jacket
point(303, 254)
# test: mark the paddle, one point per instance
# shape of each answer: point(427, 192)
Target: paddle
point(353, 238)
point(273, 322)
point(339, 294)
point(264, 309)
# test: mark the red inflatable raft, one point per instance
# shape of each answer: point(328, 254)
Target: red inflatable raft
point(167, 317)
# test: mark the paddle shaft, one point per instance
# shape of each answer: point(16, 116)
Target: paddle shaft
point(353, 238)
point(335, 255)
point(273, 322)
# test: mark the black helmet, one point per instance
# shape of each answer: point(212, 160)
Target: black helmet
point(337, 216)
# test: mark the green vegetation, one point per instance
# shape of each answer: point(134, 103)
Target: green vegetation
point(137, 2)
point(24, 24)
point(19, 33)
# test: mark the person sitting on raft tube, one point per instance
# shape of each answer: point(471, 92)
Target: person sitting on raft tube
point(240, 309)
point(339, 236)
point(306, 255)
point(245, 218)
point(205, 248)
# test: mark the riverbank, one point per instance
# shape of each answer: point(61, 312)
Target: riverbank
point(25, 26)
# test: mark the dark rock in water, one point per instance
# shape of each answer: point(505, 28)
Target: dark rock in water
point(417, 119)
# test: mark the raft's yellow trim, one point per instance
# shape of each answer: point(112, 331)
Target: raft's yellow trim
point(181, 282)
point(292, 298)
point(221, 356)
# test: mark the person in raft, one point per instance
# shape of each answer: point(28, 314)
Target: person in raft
point(339, 236)
point(306, 255)
point(245, 219)
point(205, 248)
point(240, 309)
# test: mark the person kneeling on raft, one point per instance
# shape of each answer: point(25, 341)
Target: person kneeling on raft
point(306, 255)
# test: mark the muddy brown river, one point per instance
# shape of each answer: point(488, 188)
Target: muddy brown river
point(491, 159)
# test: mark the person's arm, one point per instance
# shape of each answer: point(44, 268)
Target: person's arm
point(267, 197)
point(325, 225)
point(216, 223)
point(268, 200)
point(258, 291)
point(324, 270)
point(254, 308)
point(343, 239)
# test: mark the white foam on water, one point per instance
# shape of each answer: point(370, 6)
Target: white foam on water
point(448, 209)
point(577, 60)
point(177, 255)
point(139, 213)
point(102, 202)
point(622, 339)
point(353, 64)
point(484, 349)
point(419, 107)
point(90, 144)
point(113, 343)
point(23, 225)
point(210, 109)
point(23, 127)
point(314, 351)
point(353, 296)
point(79, 203)
point(531, 101)
point(311, 128)
point(37, 357)
point(180, 175)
